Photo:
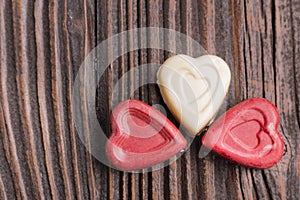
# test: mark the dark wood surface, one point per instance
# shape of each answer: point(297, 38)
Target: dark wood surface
point(42, 45)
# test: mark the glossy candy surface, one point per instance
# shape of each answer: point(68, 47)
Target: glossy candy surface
point(194, 88)
point(141, 136)
point(248, 134)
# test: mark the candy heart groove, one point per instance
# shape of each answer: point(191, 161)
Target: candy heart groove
point(247, 134)
point(141, 137)
point(194, 88)
point(254, 128)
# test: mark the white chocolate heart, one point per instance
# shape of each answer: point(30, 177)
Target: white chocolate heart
point(194, 88)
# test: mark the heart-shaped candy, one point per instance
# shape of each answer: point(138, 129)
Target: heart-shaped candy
point(141, 136)
point(247, 134)
point(194, 88)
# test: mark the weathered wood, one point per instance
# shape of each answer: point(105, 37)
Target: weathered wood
point(42, 45)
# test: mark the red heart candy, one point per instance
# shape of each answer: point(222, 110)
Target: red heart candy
point(141, 136)
point(248, 134)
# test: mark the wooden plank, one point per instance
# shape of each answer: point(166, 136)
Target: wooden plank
point(7, 114)
point(42, 45)
point(286, 97)
point(154, 17)
point(172, 173)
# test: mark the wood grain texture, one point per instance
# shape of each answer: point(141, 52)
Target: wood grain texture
point(42, 45)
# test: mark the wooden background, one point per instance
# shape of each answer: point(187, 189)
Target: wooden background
point(42, 45)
